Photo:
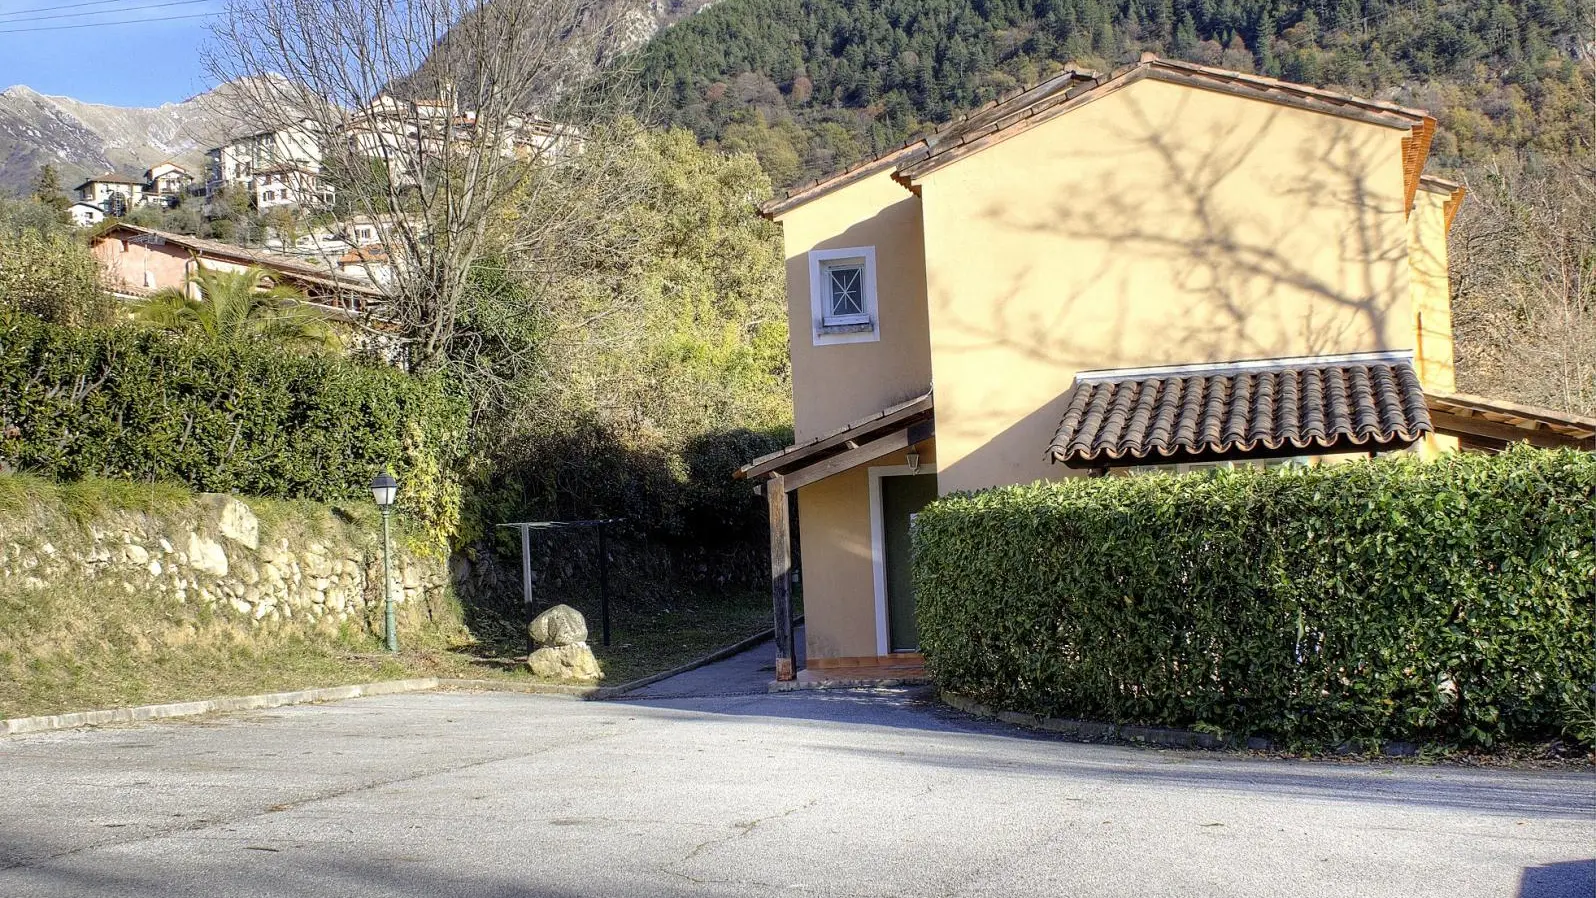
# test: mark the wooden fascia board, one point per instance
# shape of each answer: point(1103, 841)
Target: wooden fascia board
point(1415, 152)
point(793, 455)
point(1467, 405)
point(1476, 425)
point(776, 208)
point(896, 441)
point(1450, 207)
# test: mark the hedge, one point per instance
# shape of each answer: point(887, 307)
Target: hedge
point(128, 403)
point(1451, 601)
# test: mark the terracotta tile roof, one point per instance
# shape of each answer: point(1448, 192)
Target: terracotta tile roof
point(1073, 88)
point(1454, 191)
point(1200, 413)
point(284, 265)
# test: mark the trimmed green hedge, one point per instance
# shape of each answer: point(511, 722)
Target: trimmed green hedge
point(132, 404)
point(1448, 601)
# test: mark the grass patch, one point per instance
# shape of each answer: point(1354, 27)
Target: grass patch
point(645, 639)
point(90, 497)
point(84, 647)
point(19, 491)
point(648, 641)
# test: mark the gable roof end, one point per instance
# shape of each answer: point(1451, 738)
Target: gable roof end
point(997, 122)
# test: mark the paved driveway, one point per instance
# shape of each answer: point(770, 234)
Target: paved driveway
point(798, 794)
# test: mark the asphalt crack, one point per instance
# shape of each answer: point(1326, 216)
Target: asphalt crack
point(742, 830)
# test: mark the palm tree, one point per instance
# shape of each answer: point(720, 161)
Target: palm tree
point(239, 306)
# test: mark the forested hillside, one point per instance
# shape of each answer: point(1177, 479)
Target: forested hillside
point(811, 85)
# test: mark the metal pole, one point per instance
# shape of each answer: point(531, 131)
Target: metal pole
point(387, 587)
point(604, 583)
point(526, 564)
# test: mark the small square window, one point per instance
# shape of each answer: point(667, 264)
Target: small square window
point(845, 299)
point(842, 286)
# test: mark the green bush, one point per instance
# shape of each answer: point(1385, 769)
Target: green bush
point(133, 404)
point(1449, 601)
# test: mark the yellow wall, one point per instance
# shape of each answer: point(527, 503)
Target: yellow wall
point(838, 577)
point(1432, 304)
point(838, 384)
point(1432, 301)
point(1158, 225)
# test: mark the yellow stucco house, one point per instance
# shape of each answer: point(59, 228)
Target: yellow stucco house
point(1166, 265)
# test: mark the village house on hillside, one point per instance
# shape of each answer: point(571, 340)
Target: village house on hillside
point(85, 215)
point(113, 194)
point(1168, 267)
point(237, 162)
point(137, 262)
point(168, 182)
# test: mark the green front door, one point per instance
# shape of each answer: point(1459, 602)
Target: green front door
point(902, 496)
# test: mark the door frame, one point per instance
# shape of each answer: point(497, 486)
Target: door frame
point(878, 546)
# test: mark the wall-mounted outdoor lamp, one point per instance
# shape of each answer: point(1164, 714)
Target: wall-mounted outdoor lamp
point(914, 462)
point(384, 489)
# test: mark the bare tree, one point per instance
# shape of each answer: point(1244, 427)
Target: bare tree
point(1524, 283)
point(463, 131)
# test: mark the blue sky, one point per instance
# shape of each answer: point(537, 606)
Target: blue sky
point(153, 60)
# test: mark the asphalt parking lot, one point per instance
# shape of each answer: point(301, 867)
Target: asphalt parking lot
point(680, 792)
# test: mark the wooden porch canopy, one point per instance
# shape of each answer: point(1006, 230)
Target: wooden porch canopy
point(1492, 424)
point(890, 430)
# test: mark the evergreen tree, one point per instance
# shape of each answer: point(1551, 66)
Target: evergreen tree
point(47, 189)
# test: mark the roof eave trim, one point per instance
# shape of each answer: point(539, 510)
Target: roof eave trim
point(1242, 367)
point(774, 209)
point(1242, 449)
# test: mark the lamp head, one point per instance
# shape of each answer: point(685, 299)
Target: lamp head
point(384, 488)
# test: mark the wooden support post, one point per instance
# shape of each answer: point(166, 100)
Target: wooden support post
point(781, 577)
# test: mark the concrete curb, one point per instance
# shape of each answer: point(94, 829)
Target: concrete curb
point(798, 686)
point(46, 723)
point(1166, 737)
point(566, 690)
point(1092, 731)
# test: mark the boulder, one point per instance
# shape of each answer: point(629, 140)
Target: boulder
point(559, 626)
point(206, 555)
point(565, 662)
point(234, 520)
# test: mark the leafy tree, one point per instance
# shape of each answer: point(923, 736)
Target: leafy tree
point(238, 307)
point(660, 359)
point(45, 270)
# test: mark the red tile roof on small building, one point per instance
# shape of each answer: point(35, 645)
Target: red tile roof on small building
point(1250, 410)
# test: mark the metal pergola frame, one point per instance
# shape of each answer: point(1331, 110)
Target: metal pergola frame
point(602, 525)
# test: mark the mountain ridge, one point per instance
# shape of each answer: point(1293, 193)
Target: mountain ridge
point(83, 139)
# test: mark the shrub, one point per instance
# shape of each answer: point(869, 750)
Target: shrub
point(1450, 601)
point(45, 271)
point(244, 418)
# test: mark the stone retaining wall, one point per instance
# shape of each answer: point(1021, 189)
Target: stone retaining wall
point(321, 571)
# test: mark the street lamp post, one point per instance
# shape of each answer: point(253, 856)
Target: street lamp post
point(384, 488)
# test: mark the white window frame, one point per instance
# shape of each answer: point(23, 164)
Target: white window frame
point(864, 328)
